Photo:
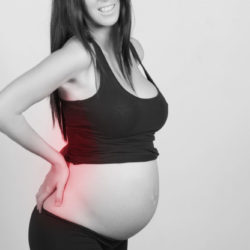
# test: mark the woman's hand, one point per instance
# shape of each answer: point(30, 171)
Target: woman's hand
point(55, 179)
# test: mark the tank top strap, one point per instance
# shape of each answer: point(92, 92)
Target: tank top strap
point(135, 54)
point(100, 61)
point(96, 47)
point(106, 68)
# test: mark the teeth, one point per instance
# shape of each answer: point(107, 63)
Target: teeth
point(108, 8)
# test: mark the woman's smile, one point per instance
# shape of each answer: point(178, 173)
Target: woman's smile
point(108, 9)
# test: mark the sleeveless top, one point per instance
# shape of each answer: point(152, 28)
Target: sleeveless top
point(113, 126)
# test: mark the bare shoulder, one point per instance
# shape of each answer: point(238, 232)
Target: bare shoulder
point(138, 47)
point(74, 49)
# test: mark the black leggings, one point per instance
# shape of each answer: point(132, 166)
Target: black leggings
point(50, 232)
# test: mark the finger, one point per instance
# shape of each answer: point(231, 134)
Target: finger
point(59, 194)
point(46, 190)
point(40, 188)
point(38, 202)
point(43, 196)
point(43, 189)
point(37, 205)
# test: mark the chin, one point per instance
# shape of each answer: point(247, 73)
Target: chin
point(108, 22)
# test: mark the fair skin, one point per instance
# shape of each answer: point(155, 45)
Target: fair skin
point(39, 82)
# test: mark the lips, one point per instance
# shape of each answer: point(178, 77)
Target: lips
point(107, 7)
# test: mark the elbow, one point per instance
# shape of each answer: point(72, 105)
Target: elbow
point(2, 115)
point(6, 118)
point(3, 120)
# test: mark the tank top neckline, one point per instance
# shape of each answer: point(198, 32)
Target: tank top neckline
point(98, 48)
point(117, 82)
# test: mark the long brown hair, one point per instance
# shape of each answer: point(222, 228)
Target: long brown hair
point(68, 18)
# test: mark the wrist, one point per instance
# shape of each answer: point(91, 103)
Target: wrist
point(58, 160)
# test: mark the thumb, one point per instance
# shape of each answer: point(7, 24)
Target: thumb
point(59, 194)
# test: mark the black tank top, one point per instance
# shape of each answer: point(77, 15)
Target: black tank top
point(113, 125)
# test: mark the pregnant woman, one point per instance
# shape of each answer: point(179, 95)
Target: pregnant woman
point(106, 177)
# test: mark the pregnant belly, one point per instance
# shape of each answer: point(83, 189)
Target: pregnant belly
point(115, 200)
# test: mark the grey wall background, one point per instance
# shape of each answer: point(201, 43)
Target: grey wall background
point(198, 52)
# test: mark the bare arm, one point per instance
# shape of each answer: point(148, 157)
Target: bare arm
point(33, 86)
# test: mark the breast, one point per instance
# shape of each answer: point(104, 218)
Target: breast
point(114, 115)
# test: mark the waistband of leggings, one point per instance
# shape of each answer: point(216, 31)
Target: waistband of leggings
point(44, 211)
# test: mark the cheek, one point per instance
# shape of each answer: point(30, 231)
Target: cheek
point(91, 7)
point(94, 14)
